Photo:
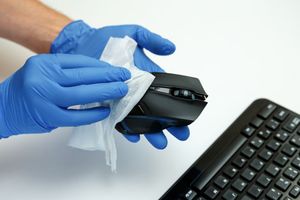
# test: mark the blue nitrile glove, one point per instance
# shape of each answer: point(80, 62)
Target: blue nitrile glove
point(36, 98)
point(79, 38)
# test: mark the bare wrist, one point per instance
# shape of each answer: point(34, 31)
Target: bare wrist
point(30, 23)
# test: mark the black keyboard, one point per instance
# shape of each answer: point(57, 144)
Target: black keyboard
point(257, 157)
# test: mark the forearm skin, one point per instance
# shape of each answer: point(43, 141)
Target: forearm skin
point(30, 23)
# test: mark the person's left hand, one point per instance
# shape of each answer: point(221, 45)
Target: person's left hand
point(79, 38)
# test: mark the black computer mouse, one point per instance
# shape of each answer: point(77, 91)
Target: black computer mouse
point(171, 100)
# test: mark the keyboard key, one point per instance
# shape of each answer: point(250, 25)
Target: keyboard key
point(273, 170)
point(264, 180)
point(295, 191)
point(255, 191)
point(282, 135)
point(200, 198)
point(257, 164)
point(211, 192)
point(289, 150)
point(248, 152)
point(273, 145)
point(291, 173)
point(239, 185)
point(248, 131)
point(190, 195)
point(230, 171)
point(292, 124)
point(295, 140)
point(256, 142)
point(267, 111)
point(264, 133)
point(239, 161)
point(283, 184)
point(265, 154)
point(257, 122)
point(246, 198)
point(281, 115)
point(273, 194)
point(296, 162)
point(287, 198)
point(221, 181)
point(281, 160)
point(229, 195)
point(273, 124)
point(248, 174)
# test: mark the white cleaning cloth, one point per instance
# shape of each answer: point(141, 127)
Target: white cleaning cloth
point(99, 136)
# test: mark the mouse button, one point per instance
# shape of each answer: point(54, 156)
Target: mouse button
point(160, 89)
point(187, 83)
point(176, 92)
point(168, 79)
point(183, 93)
point(170, 107)
point(187, 95)
point(194, 85)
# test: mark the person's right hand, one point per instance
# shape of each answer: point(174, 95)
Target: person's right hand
point(79, 38)
point(36, 98)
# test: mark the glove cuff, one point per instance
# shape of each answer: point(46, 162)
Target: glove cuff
point(66, 41)
point(3, 128)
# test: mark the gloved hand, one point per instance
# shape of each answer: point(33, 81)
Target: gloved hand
point(79, 38)
point(36, 98)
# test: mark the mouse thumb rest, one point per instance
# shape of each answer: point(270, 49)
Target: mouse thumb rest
point(171, 100)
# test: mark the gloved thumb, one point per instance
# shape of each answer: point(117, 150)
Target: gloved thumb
point(154, 42)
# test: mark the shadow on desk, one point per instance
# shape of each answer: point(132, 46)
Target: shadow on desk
point(46, 159)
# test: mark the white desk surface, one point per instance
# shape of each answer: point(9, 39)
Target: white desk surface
point(241, 50)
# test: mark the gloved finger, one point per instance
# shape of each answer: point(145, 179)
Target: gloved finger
point(142, 61)
point(72, 117)
point(154, 42)
point(84, 94)
point(158, 140)
point(132, 137)
point(89, 75)
point(67, 61)
point(181, 133)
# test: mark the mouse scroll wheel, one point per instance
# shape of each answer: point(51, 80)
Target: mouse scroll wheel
point(184, 94)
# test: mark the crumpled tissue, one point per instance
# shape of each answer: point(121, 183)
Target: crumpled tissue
point(100, 135)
